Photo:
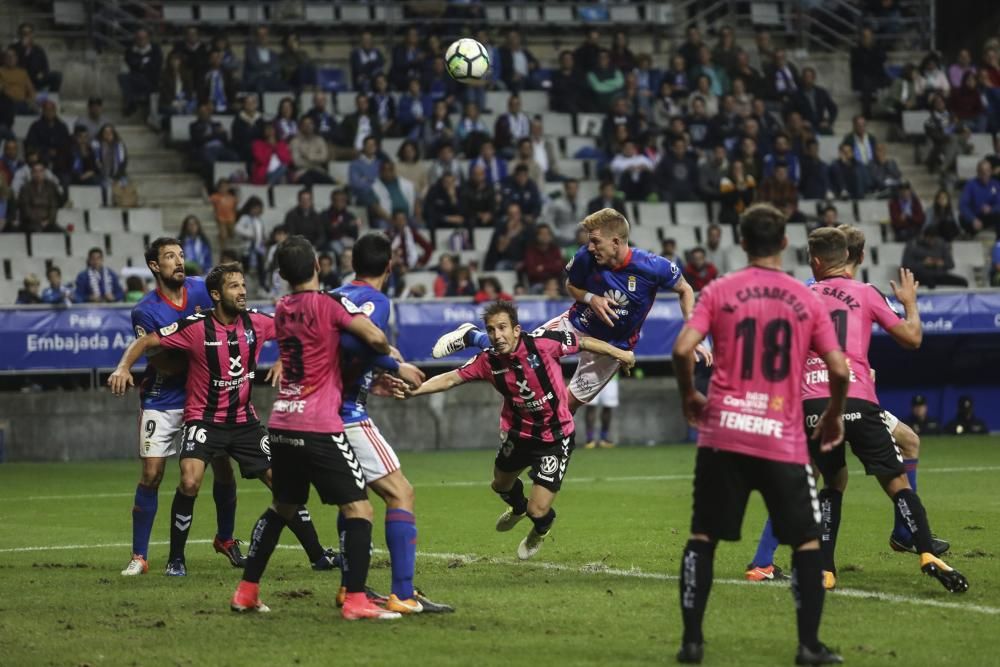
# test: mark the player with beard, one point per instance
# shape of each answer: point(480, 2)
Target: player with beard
point(614, 286)
point(161, 393)
point(222, 347)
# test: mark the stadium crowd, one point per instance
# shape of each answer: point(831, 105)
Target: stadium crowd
point(723, 124)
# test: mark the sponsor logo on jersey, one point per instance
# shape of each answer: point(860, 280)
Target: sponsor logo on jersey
point(235, 366)
point(777, 403)
point(349, 305)
point(265, 446)
point(549, 464)
point(213, 343)
point(524, 390)
point(368, 308)
point(752, 424)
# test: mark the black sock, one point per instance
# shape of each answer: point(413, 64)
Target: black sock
point(807, 588)
point(830, 503)
point(543, 523)
point(515, 497)
point(305, 531)
point(911, 512)
point(696, 582)
point(265, 536)
point(181, 513)
point(357, 553)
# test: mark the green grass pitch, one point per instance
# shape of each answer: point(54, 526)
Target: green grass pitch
point(602, 591)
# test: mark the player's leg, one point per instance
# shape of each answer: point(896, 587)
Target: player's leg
point(908, 443)
point(182, 512)
point(592, 373)
point(463, 336)
point(832, 466)
point(590, 419)
point(507, 468)
point(609, 402)
point(224, 494)
point(762, 567)
point(548, 469)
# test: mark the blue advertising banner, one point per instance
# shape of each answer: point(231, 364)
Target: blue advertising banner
point(82, 337)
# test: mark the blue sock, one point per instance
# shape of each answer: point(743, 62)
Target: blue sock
point(899, 528)
point(766, 547)
point(225, 509)
point(341, 531)
point(143, 514)
point(401, 538)
point(590, 435)
point(604, 434)
point(478, 339)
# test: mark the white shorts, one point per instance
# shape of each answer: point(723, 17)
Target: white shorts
point(375, 455)
point(608, 397)
point(890, 420)
point(157, 432)
point(592, 372)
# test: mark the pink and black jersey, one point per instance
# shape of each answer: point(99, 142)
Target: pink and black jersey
point(853, 307)
point(763, 324)
point(222, 363)
point(535, 400)
point(308, 326)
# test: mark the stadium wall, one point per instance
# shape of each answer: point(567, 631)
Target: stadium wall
point(93, 425)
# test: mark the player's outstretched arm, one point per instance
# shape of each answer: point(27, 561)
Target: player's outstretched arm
point(598, 304)
point(692, 400)
point(909, 333)
point(369, 334)
point(686, 294)
point(436, 384)
point(830, 429)
point(625, 357)
point(121, 379)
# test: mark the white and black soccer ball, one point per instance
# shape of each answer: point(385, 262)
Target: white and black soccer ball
point(467, 61)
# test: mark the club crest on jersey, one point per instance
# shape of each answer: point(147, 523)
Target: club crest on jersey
point(534, 361)
point(368, 308)
point(169, 329)
point(631, 283)
point(139, 331)
point(250, 336)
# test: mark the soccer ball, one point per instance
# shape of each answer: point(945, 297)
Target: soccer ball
point(467, 60)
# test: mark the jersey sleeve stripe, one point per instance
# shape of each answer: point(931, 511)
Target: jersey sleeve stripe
point(214, 373)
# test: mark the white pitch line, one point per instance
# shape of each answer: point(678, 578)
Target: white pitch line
point(484, 481)
point(590, 569)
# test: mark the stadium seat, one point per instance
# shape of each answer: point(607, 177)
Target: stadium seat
point(624, 14)
point(534, 101)
point(442, 239)
point(685, 237)
point(14, 245)
point(913, 122)
point(481, 237)
point(982, 144)
point(390, 145)
point(966, 166)
point(654, 214)
point(829, 148)
point(810, 207)
point(796, 234)
point(425, 278)
point(145, 221)
point(8, 288)
point(271, 102)
point(801, 273)
point(338, 171)
point(81, 242)
point(890, 254)
point(355, 13)
point(69, 12)
point(319, 14)
point(48, 245)
point(105, 220)
point(496, 101)
point(558, 125)
point(573, 169)
point(765, 13)
point(845, 209)
point(690, 213)
point(736, 257)
point(790, 258)
point(496, 14)
point(508, 279)
point(588, 190)
point(22, 266)
point(226, 170)
point(388, 13)
point(361, 213)
point(212, 13)
point(285, 197)
point(174, 12)
point(321, 195)
point(247, 190)
point(85, 196)
point(969, 253)
point(272, 217)
point(645, 237)
point(345, 102)
point(180, 128)
point(880, 274)
point(575, 144)
point(872, 210)
point(589, 124)
point(76, 217)
point(873, 234)
point(249, 12)
point(557, 14)
point(123, 245)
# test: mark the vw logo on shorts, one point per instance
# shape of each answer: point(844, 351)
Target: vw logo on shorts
point(549, 464)
point(265, 446)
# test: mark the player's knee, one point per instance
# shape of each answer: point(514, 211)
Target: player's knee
point(152, 474)
point(285, 510)
point(361, 509)
point(222, 468)
point(190, 486)
point(538, 508)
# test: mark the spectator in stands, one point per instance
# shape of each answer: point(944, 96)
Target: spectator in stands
point(8, 205)
point(676, 177)
point(384, 104)
point(782, 154)
point(966, 103)
point(310, 155)
point(24, 174)
point(30, 293)
point(410, 167)
point(677, 75)
point(446, 162)
point(195, 244)
point(526, 156)
point(991, 64)
point(495, 167)
point(929, 257)
point(586, 55)
point(305, 220)
point(217, 87)
point(193, 51)
point(699, 271)
point(251, 239)
point(966, 422)
point(414, 248)
point(906, 213)
point(37, 203)
point(477, 198)
point(935, 80)
point(230, 62)
point(271, 158)
point(622, 57)
point(491, 290)
point(848, 177)
point(437, 128)
point(942, 216)
point(366, 62)
point(868, 70)
point(262, 66)
point(177, 93)
point(363, 172)
point(995, 265)
point(726, 51)
point(521, 190)
point(517, 64)
point(764, 49)
point(737, 191)
point(144, 61)
point(814, 103)
point(713, 248)
point(329, 277)
point(273, 285)
point(566, 86)
point(32, 57)
point(619, 115)
point(718, 79)
point(511, 127)
point(392, 195)
point(471, 131)
point(607, 198)
point(712, 168)
point(828, 216)
point(958, 70)
point(82, 163)
point(509, 242)
point(754, 83)
point(359, 125)
point(742, 100)
point(94, 119)
point(564, 211)
point(7, 115)
point(56, 292)
point(691, 46)
point(768, 125)
point(285, 122)
point(905, 94)
point(248, 126)
point(210, 142)
point(727, 124)
point(777, 188)
point(668, 249)
point(439, 84)
point(703, 94)
point(16, 83)
point(782, 79)
point(223, 202)
point(646, 80)
point(918, 419)
point(542, 258)
point(97, 283)
point(942, 131)
point(407, 60)
point(979, 205)
point(604, 82)
point(9, 161)
point(414, 106)
point(297, 67)
point(543, 151)
point(862, 143)
point(883, 172)
point(50, 137)
point(342, 228)
point(462, 284)
point(112, 160)
point(324, 121)
point(665, 107)
point(442, 209)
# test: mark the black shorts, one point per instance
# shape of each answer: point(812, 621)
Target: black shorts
point(247, 443)
point(547, 460)
point(325, 461)
point(864, 431)
point(722, 485)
